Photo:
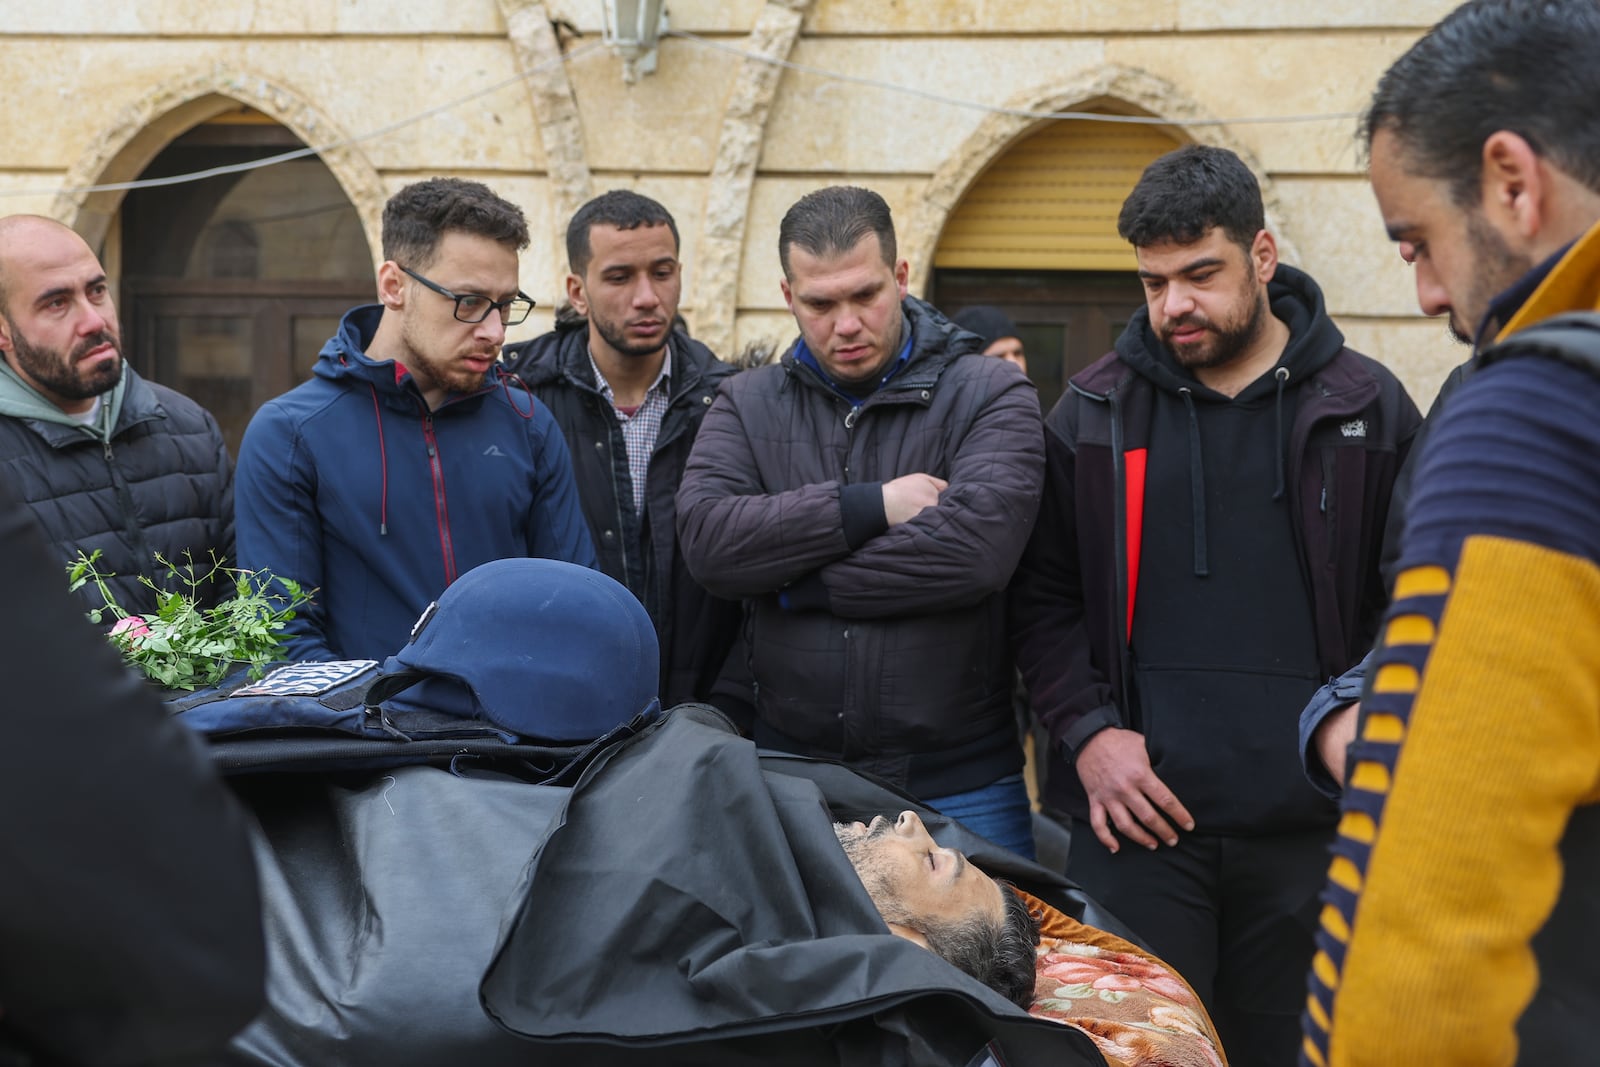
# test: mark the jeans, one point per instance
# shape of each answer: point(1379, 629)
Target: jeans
point(998, 811)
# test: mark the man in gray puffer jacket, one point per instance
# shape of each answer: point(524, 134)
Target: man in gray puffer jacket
point(868, 497)
point(106, 460)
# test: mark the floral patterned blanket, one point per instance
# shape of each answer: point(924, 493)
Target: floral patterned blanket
point(1135, 1008)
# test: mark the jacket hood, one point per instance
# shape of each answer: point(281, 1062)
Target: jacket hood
point(345, 353)
point(935, 343)
point(934, 335)
point(344, 358)
point(19, 400)
point(1294, 299)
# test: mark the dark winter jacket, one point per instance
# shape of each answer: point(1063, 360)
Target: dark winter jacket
point(1331, 428)
point(882, 646)
point(1345, 689)
point(159, 483)
point(130, 919)
point(350, 486)
point(695, 628)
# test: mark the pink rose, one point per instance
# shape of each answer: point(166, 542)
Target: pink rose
point(129, 630)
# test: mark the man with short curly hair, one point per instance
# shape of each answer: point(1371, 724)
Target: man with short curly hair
point(1206, 554)
point(411, 456)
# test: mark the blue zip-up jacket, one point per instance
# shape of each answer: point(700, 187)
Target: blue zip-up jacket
point(350, 486)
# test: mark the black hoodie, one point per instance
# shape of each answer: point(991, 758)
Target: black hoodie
point(1241, 537)
point(1223, 642)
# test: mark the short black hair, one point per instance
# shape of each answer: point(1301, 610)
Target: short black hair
point(1000, 955)
point(420, 214)
point(1527, 66)
point(831, 221)
point(1188, 191)
point(622, 208)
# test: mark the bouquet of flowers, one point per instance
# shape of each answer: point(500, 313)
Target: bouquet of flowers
point(182, 645)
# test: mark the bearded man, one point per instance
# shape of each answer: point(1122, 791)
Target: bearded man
point(411, 456)
point(1207, 553)
point(629, 391)
point(933, 897)
point(107, 461)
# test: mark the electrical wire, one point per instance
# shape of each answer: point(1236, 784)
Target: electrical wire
point(309, 150)
point(704, 42)
point(973, 105)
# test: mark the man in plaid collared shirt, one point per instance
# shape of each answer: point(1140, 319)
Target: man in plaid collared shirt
point(641, 423)
point(629, 392)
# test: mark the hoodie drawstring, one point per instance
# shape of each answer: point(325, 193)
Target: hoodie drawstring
point(383, 462)
point(1197, 487)
point(505, 385)
point(1282, 374)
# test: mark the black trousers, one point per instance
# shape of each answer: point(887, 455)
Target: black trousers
point(1234, 915)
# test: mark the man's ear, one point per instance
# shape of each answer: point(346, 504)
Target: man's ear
point(1264, 256)
point(902, 275)
point(1515, 186)
point(575, 295)
point(391, 286)
point(788, 297)
point(914, 936)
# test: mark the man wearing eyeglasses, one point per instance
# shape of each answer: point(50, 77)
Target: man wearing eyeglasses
point(411, 456)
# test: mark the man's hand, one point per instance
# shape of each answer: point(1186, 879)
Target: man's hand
point(1115, 770)
point(904, 497)
point(1333, 736)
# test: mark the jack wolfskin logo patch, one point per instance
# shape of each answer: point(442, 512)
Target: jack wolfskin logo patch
point(493, 450)
point(1354, 428)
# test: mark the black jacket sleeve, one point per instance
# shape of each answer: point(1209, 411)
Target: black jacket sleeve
point(130, 920)
point(1048, 609)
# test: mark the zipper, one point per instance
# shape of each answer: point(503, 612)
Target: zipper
point(850, 419)
point(1329, 508)
point(130, 521)
point(440, 508)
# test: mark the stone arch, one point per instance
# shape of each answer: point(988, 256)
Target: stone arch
point(141, 130)
point(1111, 86)
point(556, 117)
point(727, 204)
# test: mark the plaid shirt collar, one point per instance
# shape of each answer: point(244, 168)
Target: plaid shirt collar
point(662, 383)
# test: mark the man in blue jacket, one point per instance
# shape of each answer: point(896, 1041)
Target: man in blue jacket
point(411, 456)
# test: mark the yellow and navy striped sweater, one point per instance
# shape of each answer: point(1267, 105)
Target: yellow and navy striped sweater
point(1459, 924)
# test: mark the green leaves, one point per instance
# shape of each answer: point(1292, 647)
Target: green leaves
point(185, 646)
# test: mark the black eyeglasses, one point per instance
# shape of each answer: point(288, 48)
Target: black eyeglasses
point(473, 308)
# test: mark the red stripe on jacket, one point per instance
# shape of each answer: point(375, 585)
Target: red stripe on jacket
point(1133, 486)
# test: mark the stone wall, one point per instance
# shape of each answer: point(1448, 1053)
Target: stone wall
point(721, 135)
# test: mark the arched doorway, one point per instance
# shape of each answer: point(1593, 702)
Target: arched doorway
point(231, 284)
point(1036, 236)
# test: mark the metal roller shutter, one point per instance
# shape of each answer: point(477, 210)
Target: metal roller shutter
point(1051, 201)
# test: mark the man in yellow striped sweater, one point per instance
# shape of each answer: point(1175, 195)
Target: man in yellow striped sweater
point(1459, 923)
